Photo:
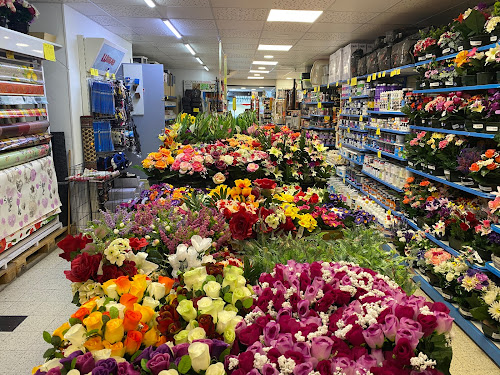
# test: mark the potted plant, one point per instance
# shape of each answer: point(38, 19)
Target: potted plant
point(462, 225)
point(449, 149)
point(492, 26)
point(468, 64)
point(23, 16)
point(493, 60)
point(489, 313)
point(449, 75)
point(469, 289)
point(432, 74)
point(6, 9)
point(470, 24)
point(486, 170)
point(475, 114)
point(492, 116)
point(448, 273)
point(427, 47)
point(486, 240)
point(449, 42)
point(467, 156)
point(434, 257)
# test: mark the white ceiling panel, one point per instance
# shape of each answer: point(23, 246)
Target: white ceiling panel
point(371, 31)
point(184, 3)
point(396, 18)
point(239, 25)
point(88, 9)
point(346, 17)
point(184, 26)
point(327, 36)
point(314, 42)
point(334, 27)
point(241, 3)
point(246, 14)
point(430, 6)
point(106, 20)
point(236, 33)
point(282, 35)
point(201, 13)
point(285, 27)
point(303, 4)
point(120, 30)
point(201, 33)
point(362, 6)
point(127, 2)
point(123, 10)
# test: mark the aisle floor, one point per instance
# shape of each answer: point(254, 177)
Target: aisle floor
point(44, 295)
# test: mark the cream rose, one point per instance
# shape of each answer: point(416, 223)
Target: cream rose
point(212, 289)
point(187, 310)
point(230, 308)
point(101, 354)
point(150, 302)
point(196, 334)
point(233, 270)
point(156, 290)
point(200, 356)
point(223, 320)
point(76, 335)
point(218, 178)
point(119, 306)
point(195, 278)
point(111, 291)
point(181, 337)
point(215, 369)
point(229, 335)
point(240, 293)
point(73, 372)
point(168, 372)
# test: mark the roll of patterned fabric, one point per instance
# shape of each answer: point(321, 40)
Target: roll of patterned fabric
point(20, 73)
point(13, 158)
point(15, 88)
point(10, 144)
point(23, 128)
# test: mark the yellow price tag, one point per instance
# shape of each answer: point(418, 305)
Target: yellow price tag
point(340, 145)
point(304, 92)
point(399, 72)
point(337, 84)
point(374, 76)
point(389, 212)
point(327, 118)
point(349, 130)
point(344, 180)
point(349, 81)
point(350, 99)
point(48, 52)
point(354, 81)
point(369, 79)
point(327, 86)
point(319, 105)
point(10, 55)
point(107, 75)
point(196, 110)
point(379, 154)
point(113, 76)
point(378, 131)
point(383, 74)
point(392, 73)
point(379, 74)
point(361, 118)
point(234, 104)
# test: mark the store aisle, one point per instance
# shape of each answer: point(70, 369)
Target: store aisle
point(43, 294)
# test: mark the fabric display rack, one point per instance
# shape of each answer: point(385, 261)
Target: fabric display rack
point(372, 130)
point(29, 196)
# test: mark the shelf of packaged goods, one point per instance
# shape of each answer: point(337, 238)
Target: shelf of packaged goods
point(356, 116)
point(387, 130)
point(496, 228)
point(353, 147)
point(305, 117)
point(315, 103)
point(471, 328)
point(356, 97)
point(388, 154)
point(463, 88)
point(352, 160)
point(456, 185)
point(382, 181)
point(353, 129)
point(347, 181)
point(387, 113)
point(387, 208)
point(313, 115)
point(457, 132)
point(318, 128)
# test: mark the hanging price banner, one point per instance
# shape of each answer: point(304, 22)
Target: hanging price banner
point(48, 52)
point(369, 79)
point(10, 55)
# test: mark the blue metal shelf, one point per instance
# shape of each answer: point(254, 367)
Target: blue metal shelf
point(463, 88)
point(382, 181)
point(388, 154)
point(353, 185)
point(357, 116)
point(356, 96)
point(354, 147)
point(387, 130)
point(393, 113)
point(353, 129)
point(317, 128)
point(495, 228)
point(393, 212)
point(457, 132)
point(492, 350)
point(314, 103)
point(352, 160)
point(327, 145)
point(313, 115)
point(493, 270)
point(170, 106)
point(477, 192)
point(305, 117)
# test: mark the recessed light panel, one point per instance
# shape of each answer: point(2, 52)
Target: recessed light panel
point(274, 47)
point(265, 63)
point(255, 77)
point(259, 71)
point(172, 28)
point(305, 16)
point(150, 3)
point(190, 49)
point(268, 56)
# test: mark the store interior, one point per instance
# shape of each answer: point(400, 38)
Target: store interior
point(223, 187)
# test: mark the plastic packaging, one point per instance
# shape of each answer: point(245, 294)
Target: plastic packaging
point(372, 63)
point(384, 58)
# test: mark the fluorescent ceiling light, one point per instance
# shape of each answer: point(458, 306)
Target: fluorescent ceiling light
point(265, 63)
point(288, 77)
point(190, 49)
point(206, 68)
point(306, 16)
point(22, 45)
point(259, 71)
point(274, 47)
point(261, 87)
point(262, 68)
point(243, 88)
point(255, 77)
point(150, 3)
point(199, 60)
point(268, 56)
point(172, 28)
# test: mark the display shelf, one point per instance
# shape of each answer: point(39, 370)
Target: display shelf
point(457, 132)
point(329, 145)
point(388, 154)
point(24, 44)
point(491, 268)
point(346, 115)
point(318, 128)
point(469, 327)
point(170, 106)
point(353, 129)
point(387, 208)
point(354, 147)
point(389, 113)
point(495, 228)
point(382, 181)
point(349, 182)
point(462, 88)
point(314, 103)
point(313, 115)
point(305, 117)
point(469, 190)
point(352, 160)
point(387, 130)
point(356, 97)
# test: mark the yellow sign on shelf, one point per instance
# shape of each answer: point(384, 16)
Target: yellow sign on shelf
point(369, 79)
point(379, 154)
point(383, 74)
point(361, 118)
point(327, 86)
point(196, 110)
point(350, 99)
point(113, 76)
point(327, 118)
point(374, 76)
point(337, 84)
point(48, 52)
point(94, 72)
point(234, 104)
point(349, 130)
point(319, 105)
point(107, 75)
point(379, 74)
point(354, 81)
point(389, 212)
point(378, 131)
point(10, 55)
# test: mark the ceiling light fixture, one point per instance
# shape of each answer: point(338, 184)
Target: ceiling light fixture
point(172, 28)
point(268, 56)
point(206, 68)
point(150, 3)
point(261, 87)
point(22, 45)
point(259, 71)
point(255, 77)
point(243, 88)
point(281, 15)
point(190, 49)
point(261, 67)
point(265, 63)
point(274, 47)
point(199, 60)
point(288, 77)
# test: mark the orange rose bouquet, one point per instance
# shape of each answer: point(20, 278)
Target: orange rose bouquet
point(486, 171)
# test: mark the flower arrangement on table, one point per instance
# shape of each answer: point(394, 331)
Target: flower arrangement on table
point(448, 272)
point(469, 289)
point(338, 317)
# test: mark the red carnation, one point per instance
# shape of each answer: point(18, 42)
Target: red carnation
point(84, 267)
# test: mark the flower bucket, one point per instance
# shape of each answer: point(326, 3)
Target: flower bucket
point(484, 78)
point(484, 254)
point(465, 312)
point(451, 175)
point(448, 294)
point(3, 21)
point(487, 188)
point(490, 331)
point(435, 170)
point(492, 127)
point(22, 27)
point(455, 243)
point(469, 80)
point(498, 76)
point(467, 181)
point(479, 40)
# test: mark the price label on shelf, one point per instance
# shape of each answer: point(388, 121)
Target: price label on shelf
point(383, 74)
point(344, 180)
point(379, 154)
point(327, 118)
point(107, 75)
point(304, 92)
point(377, 132)
point(379, 74)
point(10, 55)
point(94, 72)
point(389, 212)
point(399, 72)
point(113, 76)
point(361, 118)
point(369, 79)
point(319, 105)
point(327, 86)
point(350, 99)
point(348, 130)
point(196, 110)
point(337, 84)
point(393, 73)
point(340, 145)
point(374, 76)
point(349, 81)
point(48, 52)
point(354, 81)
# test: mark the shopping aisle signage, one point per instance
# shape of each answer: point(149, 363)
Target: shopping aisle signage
point(108, 59)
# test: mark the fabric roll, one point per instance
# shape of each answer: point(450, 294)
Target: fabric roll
point(16, 113)
point(10, 144)
point(27, 193)
point(13, 158)
point(16, 88)
point(20, 73)
point(23, 128)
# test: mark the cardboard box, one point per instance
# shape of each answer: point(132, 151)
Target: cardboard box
point(45, 36)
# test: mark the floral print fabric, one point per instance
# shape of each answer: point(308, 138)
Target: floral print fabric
point(10, 159)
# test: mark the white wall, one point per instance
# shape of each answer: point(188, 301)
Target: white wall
point(63, 77)
point(286, 84)
point(189, 75)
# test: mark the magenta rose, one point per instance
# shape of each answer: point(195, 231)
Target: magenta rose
point(374, 336)
point(250, 334)
point(267, 369)
point(296, 356)
point(340, 348)
point(439, 306)
point(284, 342)
point(303, 308)
point(273, 355)
point(289, 325)
point(412, 337)
point(355, 335)
point(246, 361)
point(321, 347)
point(367, 361)
point(159, 363)
point(404, 351)
point(326, 302)
point(324, 367)
point(303, 369)
point(390, 326)
point(404, 311)
point(428, 322)
point(303, 348)
point(271, 331)
point(444, 322)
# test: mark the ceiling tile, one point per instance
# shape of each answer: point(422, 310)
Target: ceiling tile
point(184, 26)
point(119, 30)
point(346, 17)
point(236, 33)
point(201, 32)
point(106, 20)
point(334, 27)
point(428, 6)
point(277, 41)
point(399, 18)
point(88, 9)
point(201, 13)
point(320, 43)
point(121, 10)
point(282, 35)
point(284, 27)
point(241, 25)
point(240, 4)
point(239, 47)
point(246, 14)
point(127, 2)
point(327, 36)
point(239, 40)
point(362, 6)
point(184, 3)
point(303, 4)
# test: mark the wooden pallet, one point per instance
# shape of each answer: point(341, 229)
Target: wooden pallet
point(30, 257)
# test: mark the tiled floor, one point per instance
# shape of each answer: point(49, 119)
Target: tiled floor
point(44, 294)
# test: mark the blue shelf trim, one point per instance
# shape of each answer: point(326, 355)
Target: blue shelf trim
point(327, 145)
point(356, 96)
point(305, 117)
point(346, 115)
point(353, 129)
point(354, 148)
point(314, 103)
point(394, 113)
point(469, 328)
point(313, 115)
point(170, 106)
point(317, 128)
point(412, 224)
point(351, 160)
point(463, 88)
point(457, 132)
point(387, 130)
point(388, 154)
point(493, 270)
point(354, 186)
point(477, 192)
point(495, 228)
point(395, 213)
point(381, 181)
